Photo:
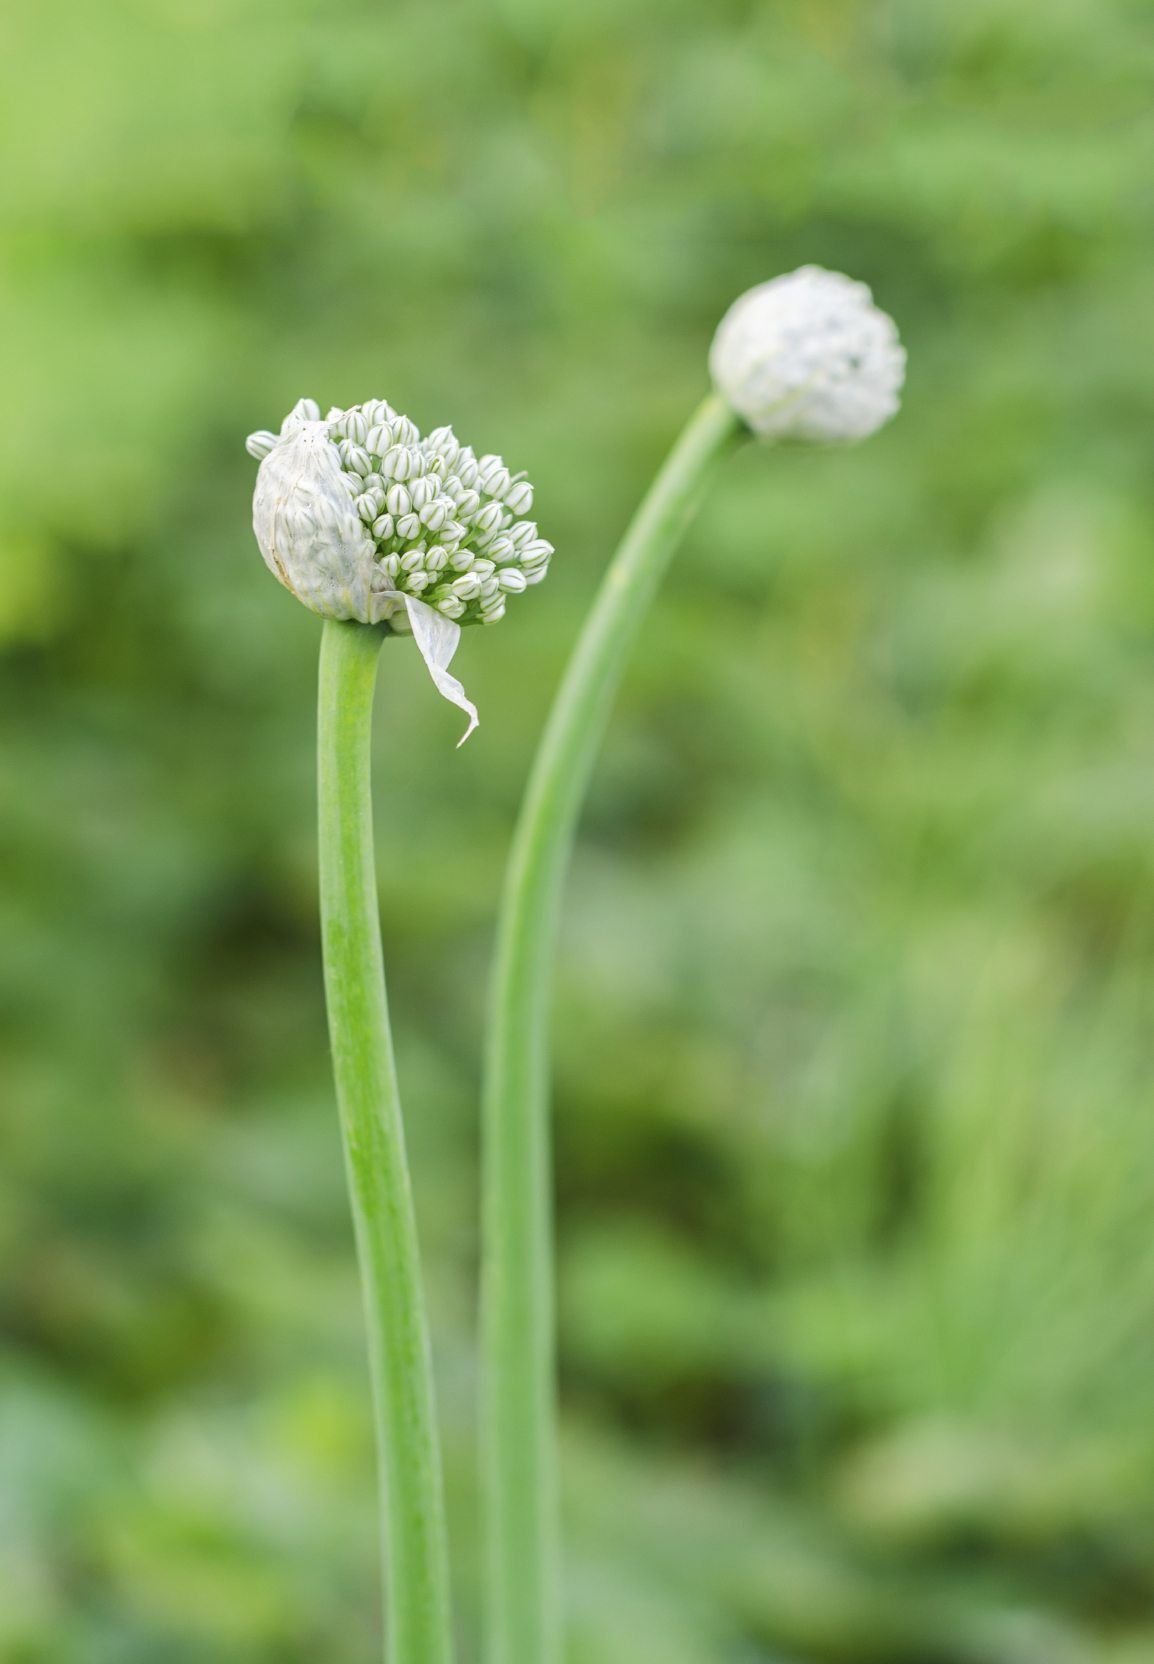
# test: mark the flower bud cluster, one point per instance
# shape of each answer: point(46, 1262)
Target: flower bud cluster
point(445, 526)
point(809, 356)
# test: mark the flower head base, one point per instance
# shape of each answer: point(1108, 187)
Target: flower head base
point(362, 517)
point(809, 356)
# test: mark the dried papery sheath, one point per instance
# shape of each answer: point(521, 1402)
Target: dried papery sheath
point(809, 356)
point(363, 518)
point(306, 522)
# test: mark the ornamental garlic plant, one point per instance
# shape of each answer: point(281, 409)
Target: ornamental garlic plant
point(384, 532)
point(806, 356)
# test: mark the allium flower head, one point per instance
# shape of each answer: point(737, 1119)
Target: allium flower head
point(809, 356)
point(362, 517)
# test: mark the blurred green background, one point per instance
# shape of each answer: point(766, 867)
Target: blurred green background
point(855, 1052)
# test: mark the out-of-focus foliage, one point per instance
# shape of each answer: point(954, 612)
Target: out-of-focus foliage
point(855, 1051)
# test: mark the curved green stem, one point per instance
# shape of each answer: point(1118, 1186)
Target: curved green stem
point(415, 1551)
point(523, 1623)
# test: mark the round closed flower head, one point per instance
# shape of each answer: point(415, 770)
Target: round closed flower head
point(809, 356)
point(362, 518)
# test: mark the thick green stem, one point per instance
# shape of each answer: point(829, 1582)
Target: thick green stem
point(415, 1552)
point(523, 1622)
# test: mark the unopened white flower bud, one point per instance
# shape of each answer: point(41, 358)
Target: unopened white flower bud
point(354, 458)
point(496, 479)
point(258, 445)
point(809, 356)
point(396, 464)
point(435, 515)
point(488, 520)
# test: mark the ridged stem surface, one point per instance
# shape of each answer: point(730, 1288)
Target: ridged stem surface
point(414, 1548)
point(523, 1619)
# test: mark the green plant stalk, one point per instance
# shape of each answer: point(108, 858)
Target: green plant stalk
point(415, 1547)
point(518, 1431)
